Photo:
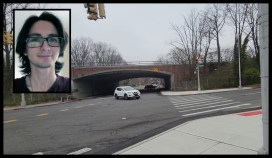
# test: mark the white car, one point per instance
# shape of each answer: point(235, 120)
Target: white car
point(126, 92)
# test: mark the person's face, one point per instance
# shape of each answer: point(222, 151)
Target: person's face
point(44, 56)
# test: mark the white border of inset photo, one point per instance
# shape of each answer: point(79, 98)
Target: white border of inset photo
point(20, 16)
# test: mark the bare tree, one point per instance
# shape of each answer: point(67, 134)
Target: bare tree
point(252, 20)
point(84, 52)
point(207, 34)
point(106, 55)
point(163, 59)
point(216, 16)
point(237, 15)
point(227, 54)
point(81, 50)
point(8, 48)
point(188, 36)
point(175, 56)
point(113, 57)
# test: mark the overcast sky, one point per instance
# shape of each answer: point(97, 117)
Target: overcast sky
point(140, 32)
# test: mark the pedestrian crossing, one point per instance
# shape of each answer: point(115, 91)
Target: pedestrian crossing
point(202, 104)
point(78, 152)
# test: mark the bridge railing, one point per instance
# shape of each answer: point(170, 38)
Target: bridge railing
point(95, 64)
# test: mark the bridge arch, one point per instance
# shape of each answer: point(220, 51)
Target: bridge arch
point(104, 82)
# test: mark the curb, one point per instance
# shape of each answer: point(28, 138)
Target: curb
point(31, 106)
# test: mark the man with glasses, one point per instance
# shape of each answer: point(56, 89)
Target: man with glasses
point(40, 43)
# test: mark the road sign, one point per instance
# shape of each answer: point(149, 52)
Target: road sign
point(156, 69)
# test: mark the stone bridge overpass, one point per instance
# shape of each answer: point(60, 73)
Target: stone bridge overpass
point(89, 81)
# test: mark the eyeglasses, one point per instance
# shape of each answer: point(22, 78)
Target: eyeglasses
point(33, 42)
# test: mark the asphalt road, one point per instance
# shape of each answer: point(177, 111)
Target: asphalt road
point(105, 125)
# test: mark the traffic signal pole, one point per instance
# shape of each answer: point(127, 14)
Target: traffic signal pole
point(264, 62)
point(198, 79)
point(197, 67)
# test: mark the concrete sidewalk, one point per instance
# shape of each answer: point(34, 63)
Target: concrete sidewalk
point(239, 133)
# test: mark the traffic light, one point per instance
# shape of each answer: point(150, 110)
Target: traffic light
point(101, 9)
point(197, 59)
point(7, 38)
point(95, 10)
point(4, 38)
point(91, 10)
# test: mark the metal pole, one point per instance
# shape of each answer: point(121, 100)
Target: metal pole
point(23, 103)
point(264, 62)
point(240, 85)
point(198, 79)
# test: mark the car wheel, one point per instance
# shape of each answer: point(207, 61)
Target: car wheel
point(125, 97)
point(116, 96)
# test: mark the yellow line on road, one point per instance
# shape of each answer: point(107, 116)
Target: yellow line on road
point(64, 110)
point(9, 121)
point(42, 114)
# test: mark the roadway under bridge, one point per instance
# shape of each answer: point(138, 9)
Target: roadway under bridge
point(91, 81)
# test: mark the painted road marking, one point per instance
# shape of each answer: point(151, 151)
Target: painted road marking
point(81, 151)
point(200, 104)
point(64, 110)
point(207, 107)
point(44, 114)
point(251, 93)
point(82, 106)
point(191, 99)
point(215, 110)
point(252, 113)
point(199, 101)
point(9, 121)
point(38, 153)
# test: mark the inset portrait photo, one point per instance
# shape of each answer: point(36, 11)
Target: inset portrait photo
point(42, 51)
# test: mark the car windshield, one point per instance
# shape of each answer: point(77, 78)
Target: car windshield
point(128, 88)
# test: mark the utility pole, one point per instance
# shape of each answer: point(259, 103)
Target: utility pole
point(264, 63)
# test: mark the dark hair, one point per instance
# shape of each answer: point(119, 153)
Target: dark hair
point(21, 41)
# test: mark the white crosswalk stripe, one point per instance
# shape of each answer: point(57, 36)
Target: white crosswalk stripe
point(78, 152)
point(201, 104)
point(205, 103)
point(193, 105)
point(81, 151)
point(176, 100)
point(215, 109)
